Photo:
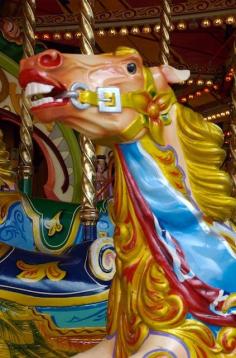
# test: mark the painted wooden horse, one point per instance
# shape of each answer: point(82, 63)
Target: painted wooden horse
point(174, 291)
point(53, 284)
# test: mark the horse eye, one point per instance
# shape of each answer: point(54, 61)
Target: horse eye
point(131, 68)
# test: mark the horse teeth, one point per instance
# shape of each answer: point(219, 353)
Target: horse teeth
point(34, 88)
point(42, 101)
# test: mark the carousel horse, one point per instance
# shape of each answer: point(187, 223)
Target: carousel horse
point(51, 304)
point(174, 292)
point(54, 284)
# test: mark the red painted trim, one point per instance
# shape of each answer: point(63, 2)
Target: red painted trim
point(38, 134)
point(48, 187)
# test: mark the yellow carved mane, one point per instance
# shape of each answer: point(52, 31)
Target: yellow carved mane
point(201, 143)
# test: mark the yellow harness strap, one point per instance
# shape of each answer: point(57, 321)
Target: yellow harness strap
point(137, 100)
point(148, 102)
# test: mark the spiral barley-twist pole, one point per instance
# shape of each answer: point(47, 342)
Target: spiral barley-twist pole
point(165, 31)
point(232, 144)
point(88, 212)
point(26, 145)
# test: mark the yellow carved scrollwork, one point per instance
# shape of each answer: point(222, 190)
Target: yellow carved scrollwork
point(201, 342)
point(54, 224)
point(167, 162)
point(33, 273)
point(6, 201)
point(15, 97)
point(141, 298)
point(161, 354)
point(4, 86)
point(4, 249)
point(9, 88)
point(7, 174)
point(4, 350)
point(23, 335)
point(226, 339)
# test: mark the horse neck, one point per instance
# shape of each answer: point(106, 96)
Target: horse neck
point(138, 274)
point(140, 162)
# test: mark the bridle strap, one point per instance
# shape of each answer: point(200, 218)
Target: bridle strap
point(108, 99)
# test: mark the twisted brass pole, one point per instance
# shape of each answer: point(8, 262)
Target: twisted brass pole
point(88, 212)
point(165, 31)
point(231, 162)
point(26, 129)
point(232, 144)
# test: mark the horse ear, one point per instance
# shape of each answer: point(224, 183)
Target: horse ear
point(166, 74)
point(173, 75)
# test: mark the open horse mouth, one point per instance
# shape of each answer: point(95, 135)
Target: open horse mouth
point(42, 92)
point(44, 95)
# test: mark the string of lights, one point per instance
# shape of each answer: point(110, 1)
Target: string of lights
point(181, 25)
point(217, 116)
point(205, 85)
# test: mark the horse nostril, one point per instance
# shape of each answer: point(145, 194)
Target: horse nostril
point(50, 58)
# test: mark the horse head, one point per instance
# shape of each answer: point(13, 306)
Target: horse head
point(113, 98)
point(108, 97)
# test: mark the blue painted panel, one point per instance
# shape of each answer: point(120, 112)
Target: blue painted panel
point(93, 315)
